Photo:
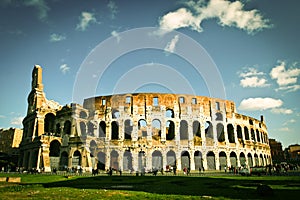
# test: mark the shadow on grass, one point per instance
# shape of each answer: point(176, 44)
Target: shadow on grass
point(233, 188)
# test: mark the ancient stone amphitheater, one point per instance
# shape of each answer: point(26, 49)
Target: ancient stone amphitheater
point(140, 131)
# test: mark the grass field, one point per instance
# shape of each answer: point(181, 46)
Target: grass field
point(148, 187)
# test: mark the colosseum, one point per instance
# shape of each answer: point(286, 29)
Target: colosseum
point(139, 131)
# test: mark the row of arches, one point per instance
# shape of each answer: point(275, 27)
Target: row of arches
point(56, 128)
point(231, 133)
point(127, 161)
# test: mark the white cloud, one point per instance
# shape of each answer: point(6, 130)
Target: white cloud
point(56, 37)
point(281, 111)
point(285, 129)
point(253, 104)
point(16, 121)
point(64, 68)
point(181, 18)
point(116, 35)
point(290, 88)
point(2, 116)
point(284, 77)
point(251, 78)
point(41, 7)
point(113, 8)
point(253, 82)
point(85, 20)
point(228, 14)
point(251, 72)
point(291, 121)
point(172, 44)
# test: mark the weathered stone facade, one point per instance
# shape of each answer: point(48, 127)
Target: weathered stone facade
point(138, 131)
point(10, 140)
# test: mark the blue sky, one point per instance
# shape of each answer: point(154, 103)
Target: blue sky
point(253, 44)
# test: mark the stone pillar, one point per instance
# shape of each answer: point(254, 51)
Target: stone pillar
point(217, 161)
point(228, 159)
point(164, 158)
point(178, 160)
point(120, 160)
point(135, 159)
point(204, 161)
point(192, 161)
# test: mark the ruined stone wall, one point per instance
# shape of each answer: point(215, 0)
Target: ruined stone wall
point(207, 132)
point(138, 132)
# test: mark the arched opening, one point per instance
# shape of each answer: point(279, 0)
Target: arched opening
point(64, 161)
point(76, 159)
point(127, 161)
point(102, 129)
point(196, 129)
point(93, 147)
point(242, 159)
point(246, 132)
point(114, 130)
point(170, 130)
point(141, 161)
point(210, 157)
point(252, 135)
point(209, 130)
point(171, 158)
point(157, 160)
point(54, 152)
point(83, 115)
point(115, 114)
point(185, 160)
point(256, 160)
point(114, 160)
point(230, 132)
point(91, 128)
point(250, 121)
point(233, 159)
point(128, 127)
point(67, 127)
point(142, 128)
point(49, 123)
point(169, 113)
point(101, 161)
point(261, 160)
point(58, 129)
point(239, 132)
point(250, 160)
point(220, 132)
point(198, 160)
point(219, 116)
point(184, 134)
point(83, 129)
point(222, 160)
point(257, 136)
point(156, 129)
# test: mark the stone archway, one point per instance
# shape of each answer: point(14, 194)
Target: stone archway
point(157, 160)
point(127, 161)
point(211, 163)
point(185, 159)
point(222, 160)
point(54, 153)
point(198, 160)
point(233, 159)
point(76, 159)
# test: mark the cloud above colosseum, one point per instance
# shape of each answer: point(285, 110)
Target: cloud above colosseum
point(286, 78)
point(253, 78)
point(227, 13)
point(252, 104)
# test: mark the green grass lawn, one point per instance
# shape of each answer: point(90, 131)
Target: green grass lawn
point(148, 187)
